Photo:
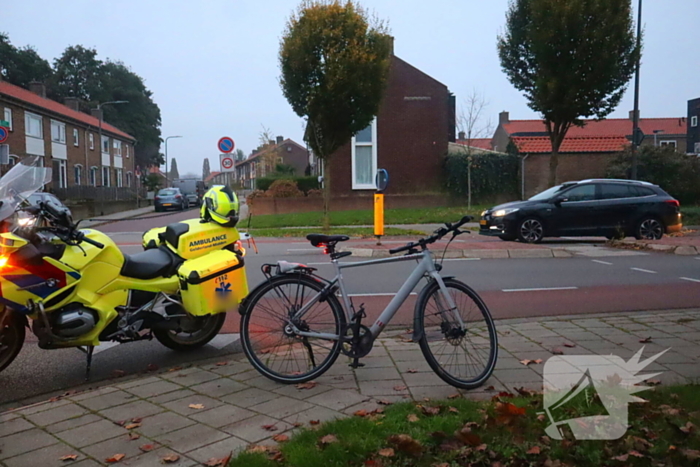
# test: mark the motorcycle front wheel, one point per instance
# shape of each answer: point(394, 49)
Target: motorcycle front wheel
point(11, 339)
point(194, 332)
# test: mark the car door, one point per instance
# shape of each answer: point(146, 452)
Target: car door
point(616, 207)
point(573, 213)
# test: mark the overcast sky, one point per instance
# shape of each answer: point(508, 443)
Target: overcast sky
point(212, 65)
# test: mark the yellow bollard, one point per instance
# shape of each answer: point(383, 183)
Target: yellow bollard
point(379, 216)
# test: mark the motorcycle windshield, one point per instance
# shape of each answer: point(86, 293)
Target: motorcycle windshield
point(20, 182)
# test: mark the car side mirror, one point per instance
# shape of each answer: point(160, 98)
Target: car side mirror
point(558, 201)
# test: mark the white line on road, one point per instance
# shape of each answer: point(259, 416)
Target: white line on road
point(690, 279)
point(643, 270)
point(602, 262)
point(375, 294)
point(303, 249)
point(222, 340)
point(462, 259)
point(540, 289)
point(104, 346)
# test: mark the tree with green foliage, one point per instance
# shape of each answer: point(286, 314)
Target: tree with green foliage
point(239, 155)
point(335, 63)
point(572, 59)
point(77, 73)
point(152, 182)
point(21, 66)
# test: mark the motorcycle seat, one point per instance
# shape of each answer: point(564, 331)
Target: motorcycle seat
point(150, 264)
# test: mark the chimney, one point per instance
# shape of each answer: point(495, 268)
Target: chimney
point(462, 135)
point(280, 139)
point(38, 88)
point(73, 103)
point(503, 118)
point(391, 46)
point(96, 113)
point(632, 114)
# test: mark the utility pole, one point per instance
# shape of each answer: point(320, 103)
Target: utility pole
point(635, 118)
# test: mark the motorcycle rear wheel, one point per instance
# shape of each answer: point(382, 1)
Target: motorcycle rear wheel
point(194, 333)
point(11, 340)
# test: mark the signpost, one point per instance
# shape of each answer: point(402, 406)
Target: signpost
point(381, 181)
point(226, 145)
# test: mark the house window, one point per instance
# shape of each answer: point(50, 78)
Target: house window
point(128, 178)
point(75, 137)
point(105, 176)
point(33, 126)
point(120, 181)
point(58, 132)
point(7, 115)
point(91, 138)
point(59, 173)
point(671, 144)
point(117, 147)
point(693, 120)
point(78, 171)
point(105, 144)
point(93, 176)
point(13, 161)
point(364, 158)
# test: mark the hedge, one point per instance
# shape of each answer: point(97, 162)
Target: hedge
point(303, 183)
point(493, 176)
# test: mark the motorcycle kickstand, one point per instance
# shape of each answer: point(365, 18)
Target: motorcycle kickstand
point(88, 352)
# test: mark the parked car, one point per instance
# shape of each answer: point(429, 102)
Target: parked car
point(600, 207)
point(170, 198)
point(189, 187)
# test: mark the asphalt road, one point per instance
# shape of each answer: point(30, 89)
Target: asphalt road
point(510, 287)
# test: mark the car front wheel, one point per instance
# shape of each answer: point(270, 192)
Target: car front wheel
point(649, 228)
point(530, 230)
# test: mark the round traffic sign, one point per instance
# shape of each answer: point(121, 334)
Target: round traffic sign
point(4, 134)
point(381, 180)
point(227, 163)
point(226, 145)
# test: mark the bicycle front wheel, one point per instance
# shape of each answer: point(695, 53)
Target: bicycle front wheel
point(464, 357)
point(267, 337)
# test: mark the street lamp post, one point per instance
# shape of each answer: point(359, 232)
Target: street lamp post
point(635, 119)
point(167, 174)
point(656, 133)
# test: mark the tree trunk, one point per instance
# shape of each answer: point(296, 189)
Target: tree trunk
point(326, 196)
point(553, 164)
point(469, 182)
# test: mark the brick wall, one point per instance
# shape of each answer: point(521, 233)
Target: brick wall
point(571, 167)
point(412, 134)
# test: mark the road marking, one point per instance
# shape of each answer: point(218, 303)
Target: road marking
point(104, 346)
point(602, 262)
point(376, 294)
point(462, 259)
point(540, 289)
point(222, 340)
point(690, 279)
point(302, 249)
point(643, 270)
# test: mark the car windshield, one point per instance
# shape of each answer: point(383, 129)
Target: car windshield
point(549, 193)
point(19, 183)
point(167, 192)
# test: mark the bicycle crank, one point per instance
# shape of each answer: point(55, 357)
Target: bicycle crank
point(357, 344)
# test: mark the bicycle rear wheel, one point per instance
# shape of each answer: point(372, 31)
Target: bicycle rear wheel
point(464, 358)
point(270, 345)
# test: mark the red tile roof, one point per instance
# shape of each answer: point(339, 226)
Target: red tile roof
point(29, 97)
point(211, 176)
point(609, 127)
point(481, 143)
point(265, 150)
point(576, 144)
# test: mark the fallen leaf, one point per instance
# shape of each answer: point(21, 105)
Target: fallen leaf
point(533, 450)
point(451, 444)
point(557, 351)
point(379, 410)
point(132, 426)
point(309, 385)
point(297, 424)
point(222, 364)
point(406, 444)
point(118, 373)
point(314, 422)
point(399, 388)
point(569, 345)
point(136, 420)
point(384, 402)
point(691, 454)
point(412, 418)
point(430, 410)
point(453, 410)
point(280, 438)
point(170, 459)
point(507, 412)
point(69, 457)
point(546, 440)
point(688, 428)
point(175, 368)
point(636, 454)
point(668, 410)
point(490, 388)
point(152, 367)
point(541, 417)
point(328, 439)
point(481, 447)
point(257, 448)
point(386, 452)
point(527, 362)
point(441, 464)
point(653, 382)
point(524, 392)
point(134, 436)
point(466, 436)
point(361, 413)
point(115, 458)
point(645, 341)
point(454, 396)
point(621, 458)
point(147, 447)
point(411, 371)
point(270, 427)
point(214, 462)
point(196, 406)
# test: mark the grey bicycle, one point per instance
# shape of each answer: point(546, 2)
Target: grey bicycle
point(295, 324)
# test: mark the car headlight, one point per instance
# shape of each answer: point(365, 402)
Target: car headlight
point(504, 212)
point(483, 213)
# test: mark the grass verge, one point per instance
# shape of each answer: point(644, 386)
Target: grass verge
point(507, 431)
point(365, 217)
point(691, 215)
point(362, 232)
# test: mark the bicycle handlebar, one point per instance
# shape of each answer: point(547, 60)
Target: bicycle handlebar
point(441, 232)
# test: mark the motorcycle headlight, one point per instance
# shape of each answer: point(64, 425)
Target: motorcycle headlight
point(504, 212)
point(26, 221)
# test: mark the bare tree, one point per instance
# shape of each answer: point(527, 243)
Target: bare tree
point(269, 160)
point(473, 124)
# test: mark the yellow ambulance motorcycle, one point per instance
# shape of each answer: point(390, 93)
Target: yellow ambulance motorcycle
point(74, 288)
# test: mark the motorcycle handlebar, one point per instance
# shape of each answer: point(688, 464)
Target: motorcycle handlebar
point(433, 238)
point(80, 236)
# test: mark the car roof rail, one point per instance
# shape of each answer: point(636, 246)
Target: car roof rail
point(637, 182)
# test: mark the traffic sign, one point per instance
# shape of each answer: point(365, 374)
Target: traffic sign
point(227, 163)
point(226, 145)
point(4, 134)
point(5, 123)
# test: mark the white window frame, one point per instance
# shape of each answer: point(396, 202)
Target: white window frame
point(62, 173)
point(373, 145)
point(61, 131)
point(106, 180)
point(78, 174)
point(117, 145)
point(668, 142)
point(129, 178)
point(105, 139)
point(694, 121)
point(7, 114)
point(120, 178)
point(28, 117)
point(91, 137)
point(76, 137)
point(126, 150)
point(13, 161)
point(93, 176)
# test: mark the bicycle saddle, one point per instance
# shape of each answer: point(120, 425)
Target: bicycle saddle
point(320, 239)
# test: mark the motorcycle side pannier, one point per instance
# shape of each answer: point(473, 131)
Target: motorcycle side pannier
point(213, 283)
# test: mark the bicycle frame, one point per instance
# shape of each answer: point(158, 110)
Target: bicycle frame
point(426, 266)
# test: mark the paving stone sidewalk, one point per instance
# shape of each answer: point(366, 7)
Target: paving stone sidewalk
point(208, 410)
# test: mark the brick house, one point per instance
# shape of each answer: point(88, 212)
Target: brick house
point(263, 161)
point(586, 151)
point(65, 139)
point(693, 146)
point(409, 138)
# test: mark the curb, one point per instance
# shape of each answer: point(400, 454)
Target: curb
point(473, 254)
point(681, 250)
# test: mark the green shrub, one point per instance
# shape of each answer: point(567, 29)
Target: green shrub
point(306, 184)
point(493, 176)
point(263, 183)
point(303, 183)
